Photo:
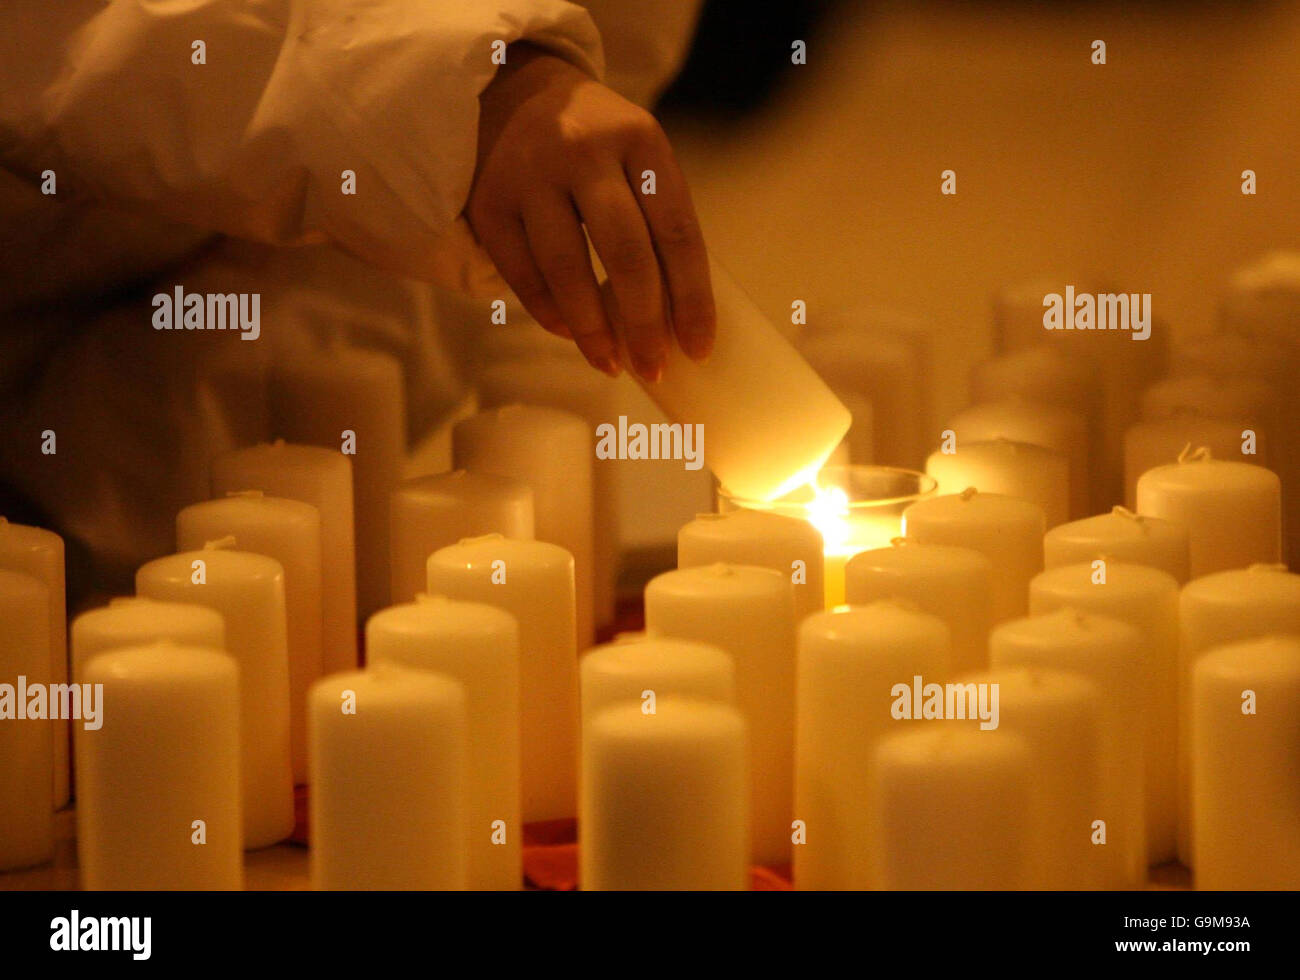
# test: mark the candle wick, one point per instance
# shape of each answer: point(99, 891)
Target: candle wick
point(1190, 455)
point(968, 493)
point(227, 542)
point(1121, 511)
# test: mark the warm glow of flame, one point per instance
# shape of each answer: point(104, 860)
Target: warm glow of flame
point(829, 513)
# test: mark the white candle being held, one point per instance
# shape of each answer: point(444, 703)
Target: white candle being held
point(1232, 511)
point(388, 781)
point(1214, 610)
point(478, 646)
point(323, 478)
point(749, 537)
point(642, 669)
point(1124, 535)
point(1108, 652)
point(1246, 765)
point(1015, 469)
point(1147, 599)
point(26, 744)
point(749, 613)
point(248, 591)
point(288, 531)
point(665, 798)
point(431, 512)
point(952, 583)
point(158, 784)
point(1006, 530)
point(132, 621)
point(533, 582)
point(551, 451)
point(849, 661)
point(37, 552)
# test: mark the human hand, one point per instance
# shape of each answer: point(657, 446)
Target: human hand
point(557, 151)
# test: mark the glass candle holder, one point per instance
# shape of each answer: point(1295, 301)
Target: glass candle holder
point(856, 508)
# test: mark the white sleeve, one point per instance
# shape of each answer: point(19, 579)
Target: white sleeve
point(254, 141)
point(644, 50)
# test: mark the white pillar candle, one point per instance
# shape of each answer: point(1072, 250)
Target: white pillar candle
point(750, 537)
point(1038, 424)
point(749, 613)
point(26, 744)
point(431, 512)
point(665, 798)
point(954, 584)
point(1232, 511)
point(1016, 469)
point(1120, 534)
point(158, 783)
point(353, 401)
point(288, 531)
point(642, 669)
point(1059, 716)
point(1225, 607)
point(388, 781)
point(850, 658)
point(132, 621)
point(551, 451)
point(858, 447)
point(769, 421)
point(322, 478)
point(1246, 752)
point(533, 581)
point(1006, 530)
point(37, 552)
point(1147, 599)
point(1109, 653)
point(569, 383)
point(477, 645)
point(248, 591)
point(951, 808)
point(1155, 443)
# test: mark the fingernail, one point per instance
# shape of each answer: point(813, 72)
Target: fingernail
point(608, 364)
point(698, 347)
point(651, 369)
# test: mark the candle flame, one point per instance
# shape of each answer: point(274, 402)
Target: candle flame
point(829, 513)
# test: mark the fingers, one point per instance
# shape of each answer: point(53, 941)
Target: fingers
point(507, 244)
point(679, 245)
point(622, 240)
point(559, 249)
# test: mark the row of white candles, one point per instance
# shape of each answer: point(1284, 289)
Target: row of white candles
point(959, 549)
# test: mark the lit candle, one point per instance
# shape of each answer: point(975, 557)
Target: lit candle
point(431, 512)
point(322, 478)
point(951, 808)
point(288, 531)
point(850, 658)
point(665, 798)
point(388, 781)
point(1225, 607)
point(1059, 716)
point(551, 451)
point(770, 422)
point(37, 552)
point(1006, 530)
point(750, 537)
point(132, 621)
point(1246, 753)
point(1038, 424)
point(564, 380)
point(158, 783)
point(26, 745)
point(1147, 599)
point(642, 670)
point(248, 591)
point(353, 401)
point(1232, 511)
point(1155, 443)
point(1120, 534)
point(533, 581)
point(1109, 653)
point(477, 645)
point(1015, 469)
point(749, 613)
point(954, 584)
